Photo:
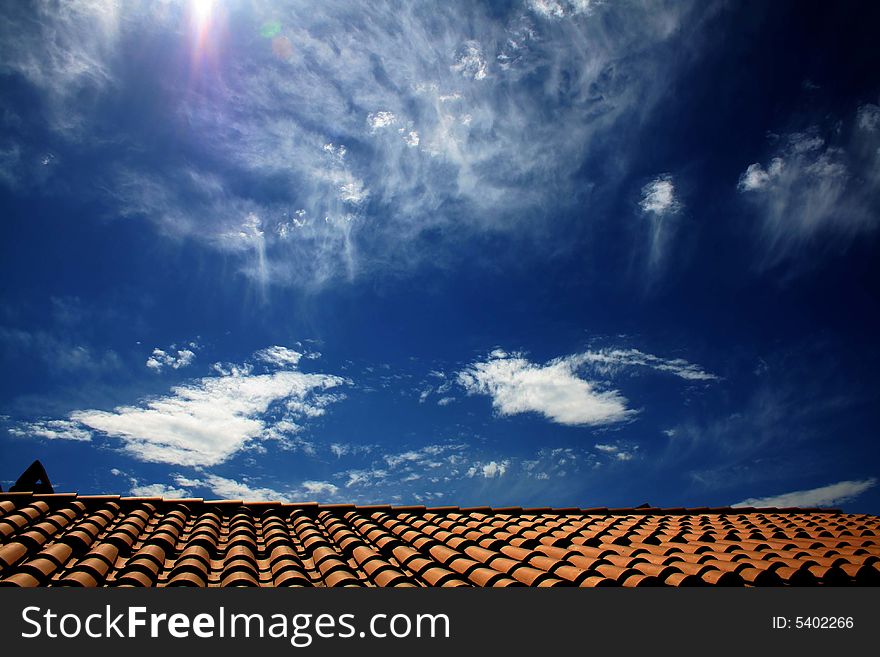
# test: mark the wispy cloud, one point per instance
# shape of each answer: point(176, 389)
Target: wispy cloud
point(839, 493)
point(320, 488)
point(616, 451)
point(59, 353)
point(460, 470)
point(868, 117)
point(345, 449)
point(660, 205)
point(10, 164)
point(65, 51)
point(612, 361)
point(158, 490)
point(141, 489)
point(470, 62)
point(561, 8)
point(51, 430)
point(225, 488)
point(438, 383)
point(432, 473)
point(821, 181)
point(378, 127)
point(244, 489)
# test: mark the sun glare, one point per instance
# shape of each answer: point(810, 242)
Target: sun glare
point(201, 17)
point(201, 10)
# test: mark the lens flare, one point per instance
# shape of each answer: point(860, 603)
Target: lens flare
point(270, 30)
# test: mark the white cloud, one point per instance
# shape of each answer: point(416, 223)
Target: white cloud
point(555, 389)
point(824, 496)
point(346, 449)
point(470, 61)
point(51, 430)
point(365, 477)
point(658, 197)
point(337, 151)
point(428, 456)
point(231, 489)
point(172, 357)
point(660, 208)
point(279, 356)
point(411, 138)
point(489, 470)
point(380, 120)
point(615, 451)
point(225, 488)
point(561, 8)
point(354, 192)
point(394, 460)
point(206, 421)
point(319, 488)
point(158, 490)
point(232, 369)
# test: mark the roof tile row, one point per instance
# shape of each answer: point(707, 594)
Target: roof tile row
point(70, 540)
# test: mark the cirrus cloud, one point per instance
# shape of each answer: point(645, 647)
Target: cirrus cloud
point(374, 130)
point(821, 181)
point(51, 430)
point(842, 491)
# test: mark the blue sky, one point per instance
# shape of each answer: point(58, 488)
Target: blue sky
point(551, 252)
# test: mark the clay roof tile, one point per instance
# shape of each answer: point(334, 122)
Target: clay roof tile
point(113, 541)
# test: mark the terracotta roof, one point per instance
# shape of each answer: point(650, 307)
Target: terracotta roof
point(77, 540)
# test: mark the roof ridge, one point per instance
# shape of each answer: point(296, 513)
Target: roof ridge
point(507, 510)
